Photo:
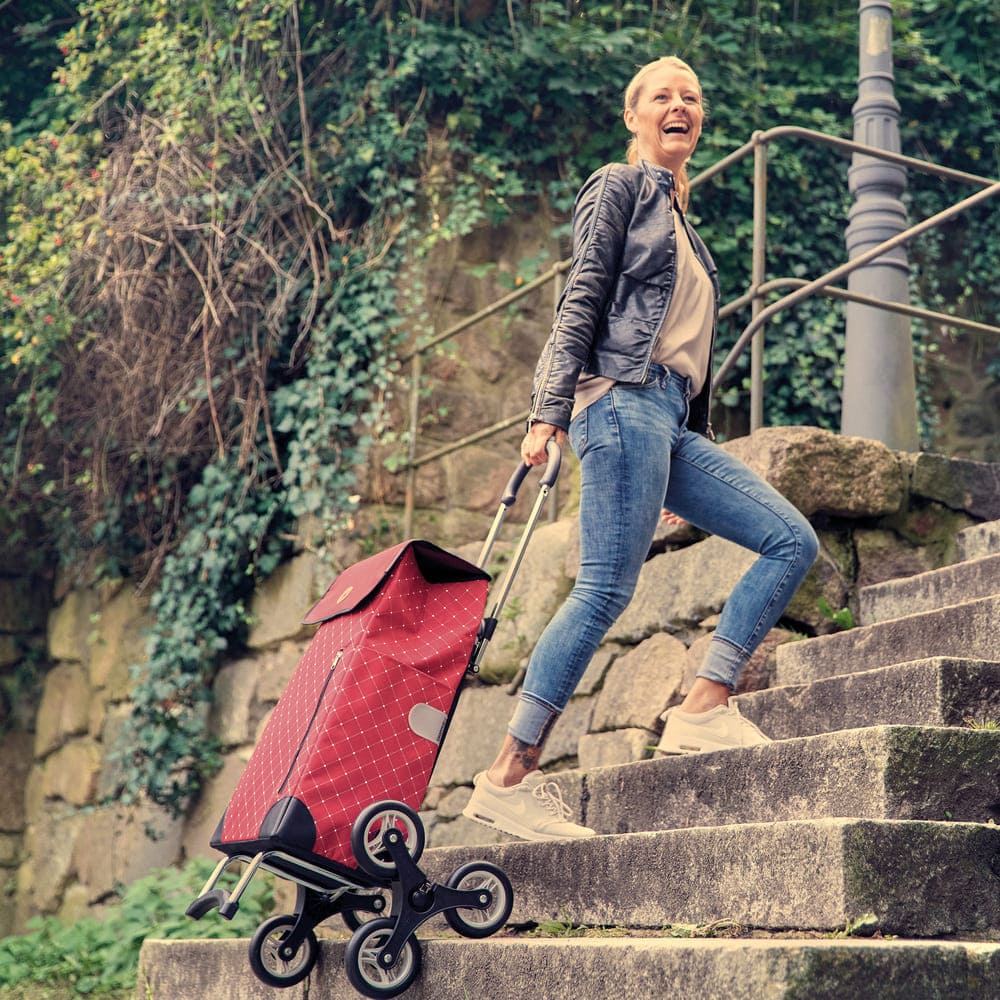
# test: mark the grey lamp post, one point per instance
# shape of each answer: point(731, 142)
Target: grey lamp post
point(879, 399)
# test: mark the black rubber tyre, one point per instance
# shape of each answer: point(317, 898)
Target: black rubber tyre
point(268, 966)
point(366, 836)
point(381, 903)
point(474, 923)
point(362, 966)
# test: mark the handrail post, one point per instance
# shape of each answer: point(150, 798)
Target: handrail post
point(758, 270)
point(558, 284)
point(411, 470)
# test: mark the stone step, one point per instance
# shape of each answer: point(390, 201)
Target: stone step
point(937, 691)
point(891, 743)
point(917, 878)
point(639, 968)
point(979, 540)
point(961, 630)
point(938, 588)
point(883, 772)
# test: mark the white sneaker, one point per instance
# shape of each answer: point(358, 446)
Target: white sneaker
point(720, 729)
point(532, 810)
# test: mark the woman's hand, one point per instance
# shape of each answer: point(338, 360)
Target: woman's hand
point(668, 517)
point(533, 446)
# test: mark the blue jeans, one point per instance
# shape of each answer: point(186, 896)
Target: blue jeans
point(636, 457)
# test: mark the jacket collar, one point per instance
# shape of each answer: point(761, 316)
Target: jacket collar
point(663, 177)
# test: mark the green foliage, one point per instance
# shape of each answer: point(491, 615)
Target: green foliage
point(562, 928)
point(176, 408)
point(716, 928)
point(843, 618)
point(984, 722)
point(228, 540)
point(29, 51)
point(865, 926)
point(94, 957)
point(946, 82)
point(19, 687)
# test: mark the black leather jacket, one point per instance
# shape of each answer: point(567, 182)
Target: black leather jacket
point(617, 290)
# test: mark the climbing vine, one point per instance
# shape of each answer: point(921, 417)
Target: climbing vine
point(207, 208)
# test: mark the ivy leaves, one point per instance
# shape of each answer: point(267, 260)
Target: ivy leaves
point(231, 537)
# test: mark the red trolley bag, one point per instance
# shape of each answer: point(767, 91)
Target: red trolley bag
point(362, 716)
point(329, 796)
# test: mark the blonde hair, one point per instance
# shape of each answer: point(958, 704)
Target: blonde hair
point(632, 98)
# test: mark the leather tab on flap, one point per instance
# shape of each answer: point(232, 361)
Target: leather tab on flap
point(427, 721)
point(355, 584)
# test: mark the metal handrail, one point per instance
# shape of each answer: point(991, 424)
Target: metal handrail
point(833, 292)
point(763, 137)
point(757, 146)
point(843, 294)
point(754, 297)
point(845, 269)
point(414, 462)
point(487, 311)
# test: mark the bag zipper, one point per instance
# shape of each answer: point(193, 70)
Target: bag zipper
point(312, 721)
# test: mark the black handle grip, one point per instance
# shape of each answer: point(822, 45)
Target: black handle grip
point(548, 477)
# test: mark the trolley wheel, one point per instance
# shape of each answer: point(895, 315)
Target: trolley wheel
point(470, 921)
point(266, 960)
point(364, 970)
point(380, 902)
point(372, 823)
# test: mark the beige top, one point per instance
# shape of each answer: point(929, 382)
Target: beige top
point(685, 337)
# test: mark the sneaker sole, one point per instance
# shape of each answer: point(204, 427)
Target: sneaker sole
point(506, 825)
point(682, 749)
point(677, 751)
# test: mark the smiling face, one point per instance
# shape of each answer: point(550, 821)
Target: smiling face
point(665, 115)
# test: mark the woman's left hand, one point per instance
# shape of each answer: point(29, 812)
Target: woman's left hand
point(533, 446)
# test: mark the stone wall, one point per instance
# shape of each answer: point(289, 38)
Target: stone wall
point(965, 393)
point(879, 514)
point(476, 379)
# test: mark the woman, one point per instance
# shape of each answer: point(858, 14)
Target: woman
point(626, 370)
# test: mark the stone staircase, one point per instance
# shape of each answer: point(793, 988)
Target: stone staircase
point(857, 852)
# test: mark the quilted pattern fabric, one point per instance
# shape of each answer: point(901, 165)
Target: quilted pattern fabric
point(339, 738)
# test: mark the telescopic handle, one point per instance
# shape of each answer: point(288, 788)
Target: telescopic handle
point(489, 623)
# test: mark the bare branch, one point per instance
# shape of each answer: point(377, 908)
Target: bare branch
point(106, 96)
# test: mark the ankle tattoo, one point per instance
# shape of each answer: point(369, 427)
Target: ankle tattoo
point(525, 755)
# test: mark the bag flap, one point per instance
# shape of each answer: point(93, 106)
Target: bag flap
point(362, 580)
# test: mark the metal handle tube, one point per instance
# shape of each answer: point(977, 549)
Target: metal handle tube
point(503, 591)
point(487, 548)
